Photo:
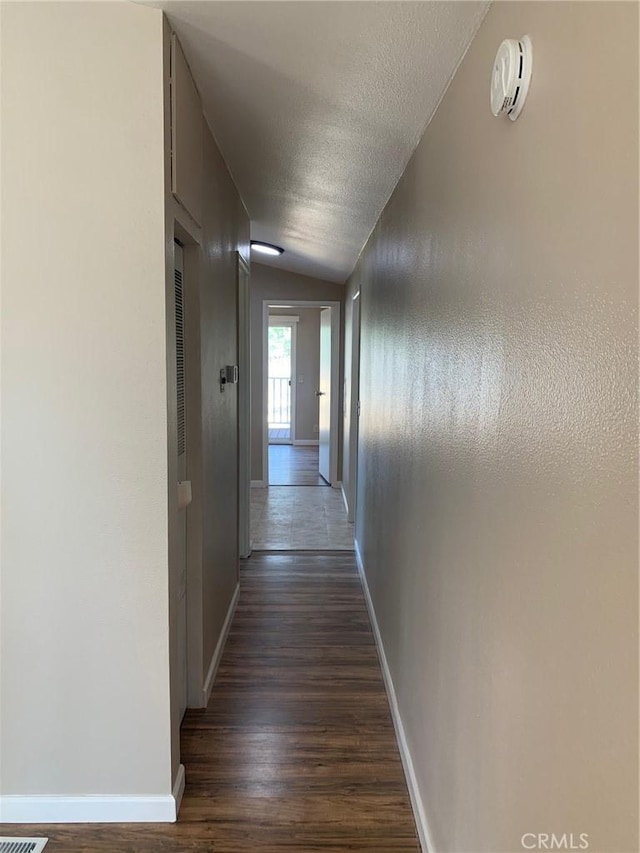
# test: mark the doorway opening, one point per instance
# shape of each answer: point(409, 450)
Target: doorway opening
point(295, 507)
point(301, 355)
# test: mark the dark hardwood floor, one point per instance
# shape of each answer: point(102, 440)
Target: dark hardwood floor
point(294, 465)
point(296, 751)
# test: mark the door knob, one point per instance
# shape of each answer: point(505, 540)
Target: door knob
point(320, 393)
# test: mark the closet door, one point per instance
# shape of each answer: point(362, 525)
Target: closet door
point(181, 568)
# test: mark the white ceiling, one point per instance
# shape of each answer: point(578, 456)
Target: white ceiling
point(317, 107)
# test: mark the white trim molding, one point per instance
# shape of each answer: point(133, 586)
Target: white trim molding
point(178, 788)
point(284, 320)
point(244, 408)
point(311, 442)
point(344, 499)
point(217, 654)
point(419, 814)
point(94, 809)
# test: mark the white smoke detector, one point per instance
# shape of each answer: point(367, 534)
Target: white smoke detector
point(511, 76)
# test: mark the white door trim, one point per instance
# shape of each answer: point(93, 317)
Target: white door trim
point(354, 409)
point(244, 408)
point(335, 378)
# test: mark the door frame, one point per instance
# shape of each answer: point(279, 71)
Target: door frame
point(335, 379)
point(292, 322)
point(354, 409)
point(244, 407)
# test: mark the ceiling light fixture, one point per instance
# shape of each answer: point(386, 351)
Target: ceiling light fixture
point(266, 248)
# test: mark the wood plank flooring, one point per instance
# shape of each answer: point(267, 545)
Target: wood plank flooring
point(279, 433)
point(293, 465)
point(296, 751)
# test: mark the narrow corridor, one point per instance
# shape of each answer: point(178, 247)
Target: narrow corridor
point(400, 241)
point(296, 750)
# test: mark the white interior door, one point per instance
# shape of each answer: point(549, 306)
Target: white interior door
point(182, 474)
point(324, 394)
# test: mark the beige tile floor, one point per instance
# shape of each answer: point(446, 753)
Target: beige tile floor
point(296, 518)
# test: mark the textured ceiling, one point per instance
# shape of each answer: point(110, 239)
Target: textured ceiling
point(317, 107)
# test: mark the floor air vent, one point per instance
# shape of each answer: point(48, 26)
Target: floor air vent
point(22, 845)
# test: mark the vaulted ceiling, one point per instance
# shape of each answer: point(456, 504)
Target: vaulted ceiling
point(317, 107)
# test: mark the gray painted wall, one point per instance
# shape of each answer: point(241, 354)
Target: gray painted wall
point(498, 508)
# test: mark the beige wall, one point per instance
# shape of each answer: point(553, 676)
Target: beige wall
point(85, 668)
point(307, 369)
point(212, 451)
point(498, 509)
point(280, 286)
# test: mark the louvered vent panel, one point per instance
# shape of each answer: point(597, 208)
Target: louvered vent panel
point(179, 361)
point(22, 845)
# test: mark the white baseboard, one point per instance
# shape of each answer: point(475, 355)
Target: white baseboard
point(424, 834)
point(337, 484)
point(217, 654)
point(311, 442)
point(94, 809)
point(344, 498)
point(258, 484)
point(178, 789)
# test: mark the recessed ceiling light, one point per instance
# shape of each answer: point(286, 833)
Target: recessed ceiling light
point(266, 248)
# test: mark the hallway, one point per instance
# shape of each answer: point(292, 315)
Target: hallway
point(403, 239)
point(296, 750)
